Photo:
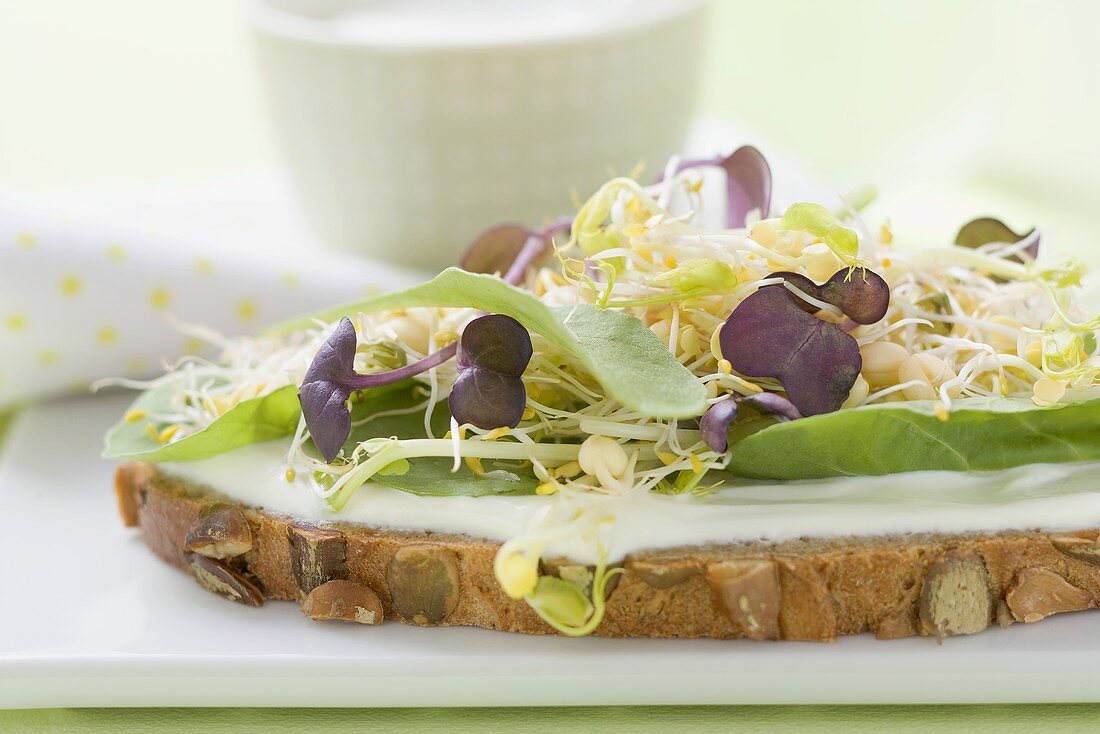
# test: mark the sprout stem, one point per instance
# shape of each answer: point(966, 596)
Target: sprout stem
point(362, 382)
point(533, 249)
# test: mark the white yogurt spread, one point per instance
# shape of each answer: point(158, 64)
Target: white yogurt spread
point(1048, 496)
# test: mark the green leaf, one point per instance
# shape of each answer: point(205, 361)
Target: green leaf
point(632, 363)
point(820, 222)
point(432, 477)
point(701, 277)
point(980, 435)
point(252, 421)
point(624, 356)
point(985, 230)
point(428, 476)
point(560, 601)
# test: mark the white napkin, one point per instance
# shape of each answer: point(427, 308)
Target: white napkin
point(92, 282)
point(91, 290)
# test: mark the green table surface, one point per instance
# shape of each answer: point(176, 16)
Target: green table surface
point(637, 720)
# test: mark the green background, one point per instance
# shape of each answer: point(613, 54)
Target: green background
point(952, 108)
point(1051, 719)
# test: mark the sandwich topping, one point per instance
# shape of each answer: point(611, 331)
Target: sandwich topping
point(649, 346)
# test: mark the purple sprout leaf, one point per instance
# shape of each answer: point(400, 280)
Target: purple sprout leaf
point(510, 249)
point(986, 230)
point(748, 182)
point(324, 406)
point(495, 249)
point(493, 352)
point(769, 402)
point(487, 399)
point(715, 423)
point(497, 343)
point(861, 294)
point(331, 379)
point(326, 389)
point(748, 185)
point(769, 335)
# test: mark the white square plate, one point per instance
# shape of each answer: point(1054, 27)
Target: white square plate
point(88, 617)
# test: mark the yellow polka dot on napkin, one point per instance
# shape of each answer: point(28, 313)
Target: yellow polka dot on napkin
point(71, 285)
point(48, 358)
point(159, 298)
point(247, 310)
point(106, 336)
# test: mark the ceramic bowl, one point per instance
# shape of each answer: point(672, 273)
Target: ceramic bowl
point(403, 145)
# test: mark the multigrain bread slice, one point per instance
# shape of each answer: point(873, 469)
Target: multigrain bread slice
point(807, 589)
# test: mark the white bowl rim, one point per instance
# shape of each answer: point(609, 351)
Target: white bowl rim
point(280, 23)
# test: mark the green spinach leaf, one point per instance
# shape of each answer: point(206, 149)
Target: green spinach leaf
point(980, 435)
point(252, 421)
point(624, 356)
point(430, 476)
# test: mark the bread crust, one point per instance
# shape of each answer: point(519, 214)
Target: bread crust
point(806, 589)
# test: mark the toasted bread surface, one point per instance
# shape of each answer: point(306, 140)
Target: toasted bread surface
point(805, 589)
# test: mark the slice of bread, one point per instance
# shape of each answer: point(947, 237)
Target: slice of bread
point(806, 589)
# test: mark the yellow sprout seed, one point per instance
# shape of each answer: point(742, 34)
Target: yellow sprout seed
point(662, 329)
point(689, 341)
point(568, 471)
point(881, 361)
point(858, 393)
point(696, 465)
point(929, 370)
point(1048, 391)
point(518, 574)
point(820, 262)
point(133, 416)
point(716, 346)
point(411, 332)
point(602, 452)
point(764, 233)
point(168, 433)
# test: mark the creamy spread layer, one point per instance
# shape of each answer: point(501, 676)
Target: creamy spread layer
point(1048, 496)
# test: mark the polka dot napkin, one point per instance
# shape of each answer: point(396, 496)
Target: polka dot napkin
point(82, 299)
